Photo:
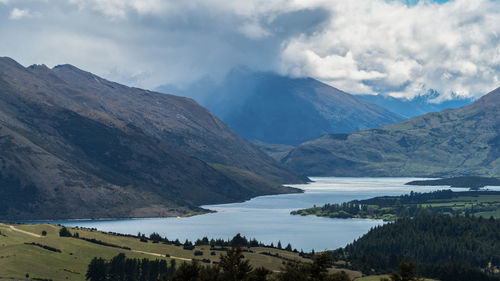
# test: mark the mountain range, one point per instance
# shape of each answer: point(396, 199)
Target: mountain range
point(74, 145)
point(455, 142)
point(418, 105)
point(270, 108)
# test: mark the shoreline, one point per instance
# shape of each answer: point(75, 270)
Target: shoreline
point(201, 208)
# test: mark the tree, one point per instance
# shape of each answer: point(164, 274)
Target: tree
point(259, 274)
point(132, 270)
point(210, 273)
point(406, 273)
point(144, 270)
point(239, 241)
point(233, 267)
point(317, 271)
point(320, 265)
point(64, 232)
point(155, 237)
point(293, 272)
point(117, 268)
point(96, 270)
point(187, 272)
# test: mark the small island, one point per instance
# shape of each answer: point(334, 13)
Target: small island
point(471, 182)
point(389, 208)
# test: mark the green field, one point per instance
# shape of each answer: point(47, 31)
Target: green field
point(446, 202)
point(18, 259)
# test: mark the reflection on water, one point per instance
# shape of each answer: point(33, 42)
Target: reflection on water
point(267, 218)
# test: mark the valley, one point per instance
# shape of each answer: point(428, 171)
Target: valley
point(120, 236)
point(268, 219)
point(250, 140)
point(276, 109)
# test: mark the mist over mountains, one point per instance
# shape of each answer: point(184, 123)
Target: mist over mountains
point(267, 107)
point(418, 105)
point(72, 138)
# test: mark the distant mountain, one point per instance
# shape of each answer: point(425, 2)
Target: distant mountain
point(457, 142)
point(270, 108)
point(276, 151)
point(418, 105)
point(74, 145)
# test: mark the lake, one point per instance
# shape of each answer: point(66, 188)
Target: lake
point(268, 219)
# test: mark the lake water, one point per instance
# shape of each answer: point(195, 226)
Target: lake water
point(268, 219)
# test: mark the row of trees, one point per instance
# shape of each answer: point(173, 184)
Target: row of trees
point(232, 267)
point(237, 241)
point(121, 268)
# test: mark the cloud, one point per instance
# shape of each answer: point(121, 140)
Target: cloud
point(360, 46)
point(119, 9)
point(17, 14)
point(382, 46)
point(153, 43)
point(254, 30)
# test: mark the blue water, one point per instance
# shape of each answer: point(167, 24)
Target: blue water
point(268, 219)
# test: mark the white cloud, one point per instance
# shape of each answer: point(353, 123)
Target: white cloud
point(254, 30)
point(119, 9)
point(17, 14)
point(360, 46)
point(403, 50)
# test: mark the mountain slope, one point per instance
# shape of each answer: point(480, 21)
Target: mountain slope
point(178, 121)
point(464, 141)
point(416, 106)
point(270, 108)
point(66, 153)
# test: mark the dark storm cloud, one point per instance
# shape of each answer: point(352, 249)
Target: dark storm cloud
point(361, 46)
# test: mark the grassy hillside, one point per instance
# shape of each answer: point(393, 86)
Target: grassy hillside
point(18, 259)
point(459, 142)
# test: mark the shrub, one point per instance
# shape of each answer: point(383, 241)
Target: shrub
point(64, 232)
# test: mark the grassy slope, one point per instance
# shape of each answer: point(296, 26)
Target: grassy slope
point(460, 203)
point(460, 142)
point(17, 259)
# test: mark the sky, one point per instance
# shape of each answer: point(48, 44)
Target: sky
point(398, 48)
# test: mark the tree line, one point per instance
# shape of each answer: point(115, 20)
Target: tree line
point(232, 267)
point(121, 268)
point(237, 241)
point(448, 248)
